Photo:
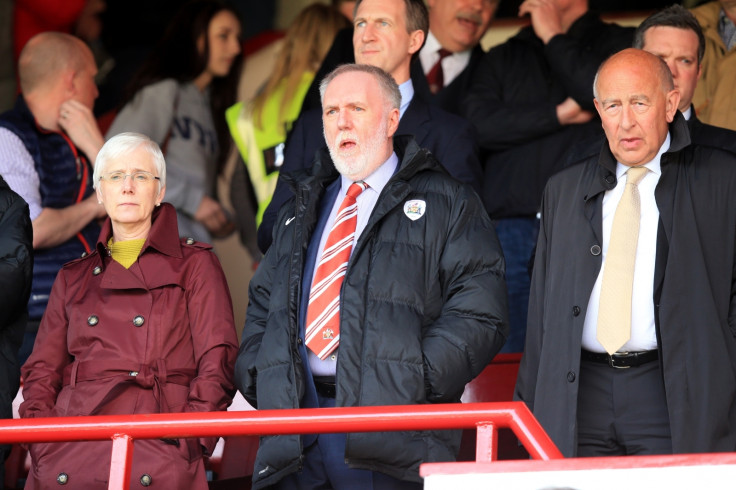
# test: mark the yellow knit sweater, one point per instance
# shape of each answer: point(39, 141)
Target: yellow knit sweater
point(126, 252)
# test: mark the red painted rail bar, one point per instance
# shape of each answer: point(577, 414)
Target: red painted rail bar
point(123, 429)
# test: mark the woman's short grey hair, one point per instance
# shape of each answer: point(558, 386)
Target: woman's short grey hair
point(125, 143)
point(385, 81)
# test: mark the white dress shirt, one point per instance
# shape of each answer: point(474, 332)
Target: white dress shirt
point(366, 202)
point(452, 65)
point(643, 335)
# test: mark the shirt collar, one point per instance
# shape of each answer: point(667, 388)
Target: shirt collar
point(378, 179)
point(688, 113)
point(407, 93)
point(654, 165)
point(429, 56)
point(431, 45)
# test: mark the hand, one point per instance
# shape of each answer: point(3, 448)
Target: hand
point(545, 17)
point(96, 206)
point(213, 217)
point(570, 112)
point(80, 125)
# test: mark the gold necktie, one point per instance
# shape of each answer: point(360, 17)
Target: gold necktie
point(614, 310)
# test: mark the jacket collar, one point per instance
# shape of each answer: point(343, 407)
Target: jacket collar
point(408, 150)
point(21, 106)
point(679, 139)
point(323, 172)
point(163, 236)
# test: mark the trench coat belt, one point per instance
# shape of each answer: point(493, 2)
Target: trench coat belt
point(152, 376)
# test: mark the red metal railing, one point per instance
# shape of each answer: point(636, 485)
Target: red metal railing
point(486, 417)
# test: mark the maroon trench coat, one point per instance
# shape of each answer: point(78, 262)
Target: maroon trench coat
point(158, 337)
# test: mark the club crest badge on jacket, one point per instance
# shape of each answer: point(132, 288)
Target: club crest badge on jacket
point(415, 209)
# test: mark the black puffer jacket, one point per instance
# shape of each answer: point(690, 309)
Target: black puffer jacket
point(423, 311)
point(16, 273)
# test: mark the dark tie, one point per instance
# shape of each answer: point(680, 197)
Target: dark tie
point(323, 312)
point(435, 77)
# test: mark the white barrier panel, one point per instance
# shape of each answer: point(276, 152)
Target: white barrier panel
point(675, 472)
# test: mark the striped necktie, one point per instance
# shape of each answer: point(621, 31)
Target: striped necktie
point(323, 312)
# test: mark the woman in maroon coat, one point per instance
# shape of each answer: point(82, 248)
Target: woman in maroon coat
point(143, 324)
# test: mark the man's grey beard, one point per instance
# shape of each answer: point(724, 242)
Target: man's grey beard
point(359, 163)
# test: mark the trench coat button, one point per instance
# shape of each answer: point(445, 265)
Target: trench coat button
point(139, 321)
point(595, 250)
point(96, 271)
point(190, 241)
point(146, 480)
point(93, 320)
point(299, 341)
point(570, 377)
point(610, 179)
point(575, 310)
point(62, 478)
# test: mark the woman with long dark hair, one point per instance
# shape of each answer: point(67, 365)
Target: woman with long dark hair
point(178, 99)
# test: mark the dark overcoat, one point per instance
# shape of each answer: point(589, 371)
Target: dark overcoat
point(694, 302)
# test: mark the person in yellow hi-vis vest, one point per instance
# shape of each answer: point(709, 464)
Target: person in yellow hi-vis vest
point(260, 126)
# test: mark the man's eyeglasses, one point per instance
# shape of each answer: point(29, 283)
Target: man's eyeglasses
point(140, 177)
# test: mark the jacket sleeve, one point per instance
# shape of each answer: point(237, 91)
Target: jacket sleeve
point(473, 324)
point(732, 305)
point(503, 123)
point(259, 296)
point(575, 62)
point(213, 337)
point(526, 380)
point(16, 256)
point(43, 372)
point(459, 153)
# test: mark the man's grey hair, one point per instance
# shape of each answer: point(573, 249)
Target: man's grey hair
point(386, 82)
point(674, 16)
point(124, 144)
point(664, 75)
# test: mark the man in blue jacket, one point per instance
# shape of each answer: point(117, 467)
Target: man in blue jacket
point(48, 144)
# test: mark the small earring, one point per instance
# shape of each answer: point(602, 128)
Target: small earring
point(158, 204)
point(99, 202)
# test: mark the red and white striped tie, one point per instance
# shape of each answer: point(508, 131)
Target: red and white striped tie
point(323, 311)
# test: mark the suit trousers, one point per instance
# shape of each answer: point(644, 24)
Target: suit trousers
point(622, 411)
point(324, 468)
